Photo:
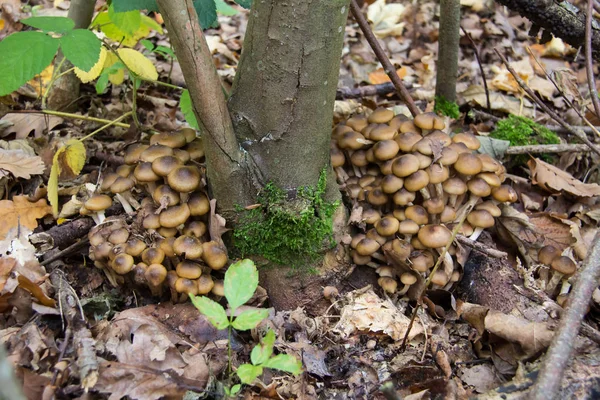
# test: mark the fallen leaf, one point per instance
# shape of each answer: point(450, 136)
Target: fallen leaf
point(555, 180)
point(498, 101)
point(21, 212)
point(20, 164)
point(24, 124)
point(379, 76)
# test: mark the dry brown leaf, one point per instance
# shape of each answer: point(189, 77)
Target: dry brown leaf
point(21, 212)
point(555, 180)
point(379, 76)
point(498, 101)
point(23, 124)
point(20, 164)
point(6, 266)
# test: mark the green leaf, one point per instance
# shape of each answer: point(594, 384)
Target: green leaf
point(244, 3)
point(212, 310)
point(82, 48)
point(224, 8)
point(235, 389)
point(128, 22)
point(50, 24)
point(241, 280)
point(102, 82)
point(261, 353)
point(284, 362)
point(249, 319)
point(185, 104)
point(148, 45)
point(24, 55)
point(207, 13)
point(248, 372)
point(128, 5)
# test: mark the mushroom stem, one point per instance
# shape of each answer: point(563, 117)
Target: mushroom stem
point(98, 219)
point(125, 203)
point(554, 281)
point(476, 233)
point(425, 193)
point(342, 175)
point(466, 208)
point(403, 291)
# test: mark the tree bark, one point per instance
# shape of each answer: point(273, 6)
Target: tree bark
point(448, 42)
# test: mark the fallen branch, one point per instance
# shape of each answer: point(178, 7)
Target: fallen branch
point(380, 89)
point(480, 247)
point(560, 351)
point(547, 148)
point(589, 66)
point(383, 58)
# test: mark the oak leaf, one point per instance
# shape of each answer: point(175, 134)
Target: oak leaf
point(555, 180)
point(20, 164)
point(21, 212)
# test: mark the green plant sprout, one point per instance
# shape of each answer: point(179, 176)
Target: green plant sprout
point(241, 281)
point(445, 107)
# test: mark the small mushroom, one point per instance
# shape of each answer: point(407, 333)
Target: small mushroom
point(97, 204)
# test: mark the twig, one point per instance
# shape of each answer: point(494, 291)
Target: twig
point(383, 59)
point(109, 158)
point(560, 129)
point(70, 116)
point(546, 148)
point(380, 89)
point(480, 247)
point(476, 51)
point(544, 107)
point(560, 351)
point(75, 246)
point(589, 66)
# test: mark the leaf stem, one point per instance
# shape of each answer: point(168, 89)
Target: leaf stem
point(52, 80)
point(110, 123)
point(71, 116)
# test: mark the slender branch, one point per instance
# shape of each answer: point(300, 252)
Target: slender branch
point(380, 89)
point(580, 135)
point(480, 247)
point(103, 127)
point(560, 351)
point(71, 116)
point(547, 148)
point(589, 66)
point(383, 58)
point(478, 58)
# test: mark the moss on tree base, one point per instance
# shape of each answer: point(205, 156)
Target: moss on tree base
point(287, 229)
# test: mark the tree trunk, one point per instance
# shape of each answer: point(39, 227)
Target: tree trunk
point(448, 42)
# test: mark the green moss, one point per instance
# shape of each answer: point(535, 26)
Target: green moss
point(287, 231)
point(445, 107)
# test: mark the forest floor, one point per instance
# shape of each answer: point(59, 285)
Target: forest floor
point(483, 337)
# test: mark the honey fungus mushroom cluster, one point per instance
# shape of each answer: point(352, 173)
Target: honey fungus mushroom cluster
point(167, 245)
point(560, 269)
point(414, 182)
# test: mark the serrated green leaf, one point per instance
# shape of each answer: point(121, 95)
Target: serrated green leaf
point(244, 3)
point(50, 24)
point(82, 48)
point(285, 363)
point(213, 311)
point(128, 22)
point(128, 5)
point(235, 389)
point(102, 82)
point(248, 372)
point(249, 319)
point(151, 23)
point(264, 350)
point(185, 104)
point(24, 55)
point(207, 13)
point(241, 280)
point(224, 8)
point(148, 45)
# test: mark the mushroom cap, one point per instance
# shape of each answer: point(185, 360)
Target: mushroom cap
point(189, 270)
point(166, 245)
point(439, 278)
point(373, 234)
point(441, 137)
point(359, 158)
point(167, 232)
point(408, 278)
point(376, 197)
point(481, 219)
point(489, 163)
point(403, 197)
point(407, 140)
point(385, 270)
point(98, 202)
point(122, 263)
point(408, 227)
point(194, 228)
point(182, 155)
point(184, 179)
point(205, 284)
point(387, 226)
point(438, 173)
point(214, 255)
point(397, 121)
point(367, 246)
point(385, 150)
point(429, 121)
point(330, 292)
point(367, 181)
point(169, 139)
point(357, 122)
point(401, 248)
point(144, 172)
point(448, 215)
point(381, 115)
point(388, 284)
point(424, 161)
point(416, 181)
point(153, 255)
point(454, 186)
point(382, 132)
point(163, 165)
point(107, 181)
point(409, 126)
point(490, 178)
point(424, 146)
point(189, 134)
point(151, 221)
point(448, 156)
point(391, 184)
point(190, 246)
point(468, 139)
point(371, 215)
point(174, 216)
point(218, 289)
point(186, 286)
point(468, 164)
point(122, 185)
point(478, 187)
point(164, 193)
point(504, 193)
point(124, 170)
point(434, 205)
point(405, 165)
point(547, 254)
point(135, 247)
point(422, 261)
point(195, 149)
point(337, 157)
point(155, 151)
point(118, 236)
point(564, 265)
point(351, 141)
point(434, 236)
point(490, 207)
point(399, 214)
point(417, 213)
point(199, 204)
point(133, 152)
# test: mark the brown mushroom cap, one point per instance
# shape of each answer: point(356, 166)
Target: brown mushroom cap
point(564, 265)
point(367, 246)
point(385, 270)
point(98, 202)
point(407, 140)
point(155, 151)
point(167, 232)
point(184, 179)
point(337, 157)
point(388, 284)
point(454, 186)
point(405, 165)
point(429, 121)
point(371, 215)
point(417, 213)
point(195, 149)
point(382, 132)
point(448, 156)
point(218, 289)
point(437, 173)
point(189, 134)
point(351, 141)
point(205, 284)
point(330, 292)
point(439, 278)
point(357, 122)
point(359, 158)
point(188, 270)
point(547, 254)
point(194, 228)
point(468, 139)
point(478, 187)
point(186, 286)
point(397, 121)
point(174, 216)
point(153, 255)
point(376, 197)
point(124, 170)
point(163, 165)
point(190, 246)
point(421, 261)
point(151, 221)
point(468, 164)
point(381, 115)
point(199, 204)
point(409, 126)
point(118, 236)
point(434, 205)
point(408, 278)
point(424, 161)
point(448, 215)
point(424, 146)
point(489, 164)
point(122, 185)
point(408, 227)
point(481, 219)
point(387, 226)
point(122, 263)
point(434, 236)
point(169, 139)
point(143, 172)
point(490, 207)
point(133, 152)
point(504, 193)
point(107, 181)
point(441, 137)
point(214, 255)
point(156, 274)
point(182, 155)
point(135, 247)
point(391, 184)
point(416, 181)
point(385, 150)
point(490, 178)
point(165, 195)
point(403, 197)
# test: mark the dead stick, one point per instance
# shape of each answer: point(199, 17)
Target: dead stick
point(476, 51)
point(381, 89)
point(480, 247)
point(383, 58)
point(589, 66)
point(560, 351)
point(544, 107)
point(547, 148)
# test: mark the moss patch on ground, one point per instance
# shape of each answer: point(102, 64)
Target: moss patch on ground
point(445, 107)
point(287, 231)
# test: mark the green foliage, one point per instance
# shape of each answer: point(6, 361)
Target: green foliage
point(127, 22)
point(128, 5)
point(287, 232)
point(207, 13)
point(164, 51)
point(185, 104)
point(445, 107)
point(241, 281)
point(81, 47)
point(224, 8)
point(244, 3)
point(521, 131)
point(50, 24)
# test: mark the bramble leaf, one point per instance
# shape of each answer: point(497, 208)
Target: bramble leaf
point(50, 24)
point(24, 55)
point(128, 5)
point(261, 352)
point(137, 63)
point(224, 8)
point(95, 71)
point(241, 280)
point(244, 3)
point(207, 13)
point(128, 22)
point(185, 104)
point(213, 311)
point(248, 372)
point(285, 363)
point(82, 48)
point(249, 319)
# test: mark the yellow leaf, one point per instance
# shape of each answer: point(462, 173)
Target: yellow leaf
point(118, 77)
point(53, 182)
point(21, 212)
point(70, 158)
point(86, 77)
point(1, 24)
point(74, 156)
point(137, 63)
point(40, 81)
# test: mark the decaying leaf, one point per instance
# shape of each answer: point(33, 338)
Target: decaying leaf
point(69, 160)
point(20, 164)
point(24, 124)
point(555, 180)
point(21, 212)
point(498, 101)
point(386, 18)
point(217, 224)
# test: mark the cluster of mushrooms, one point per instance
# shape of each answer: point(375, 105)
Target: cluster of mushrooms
point(560, 269)
point(414, 182)
point(166, 246)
